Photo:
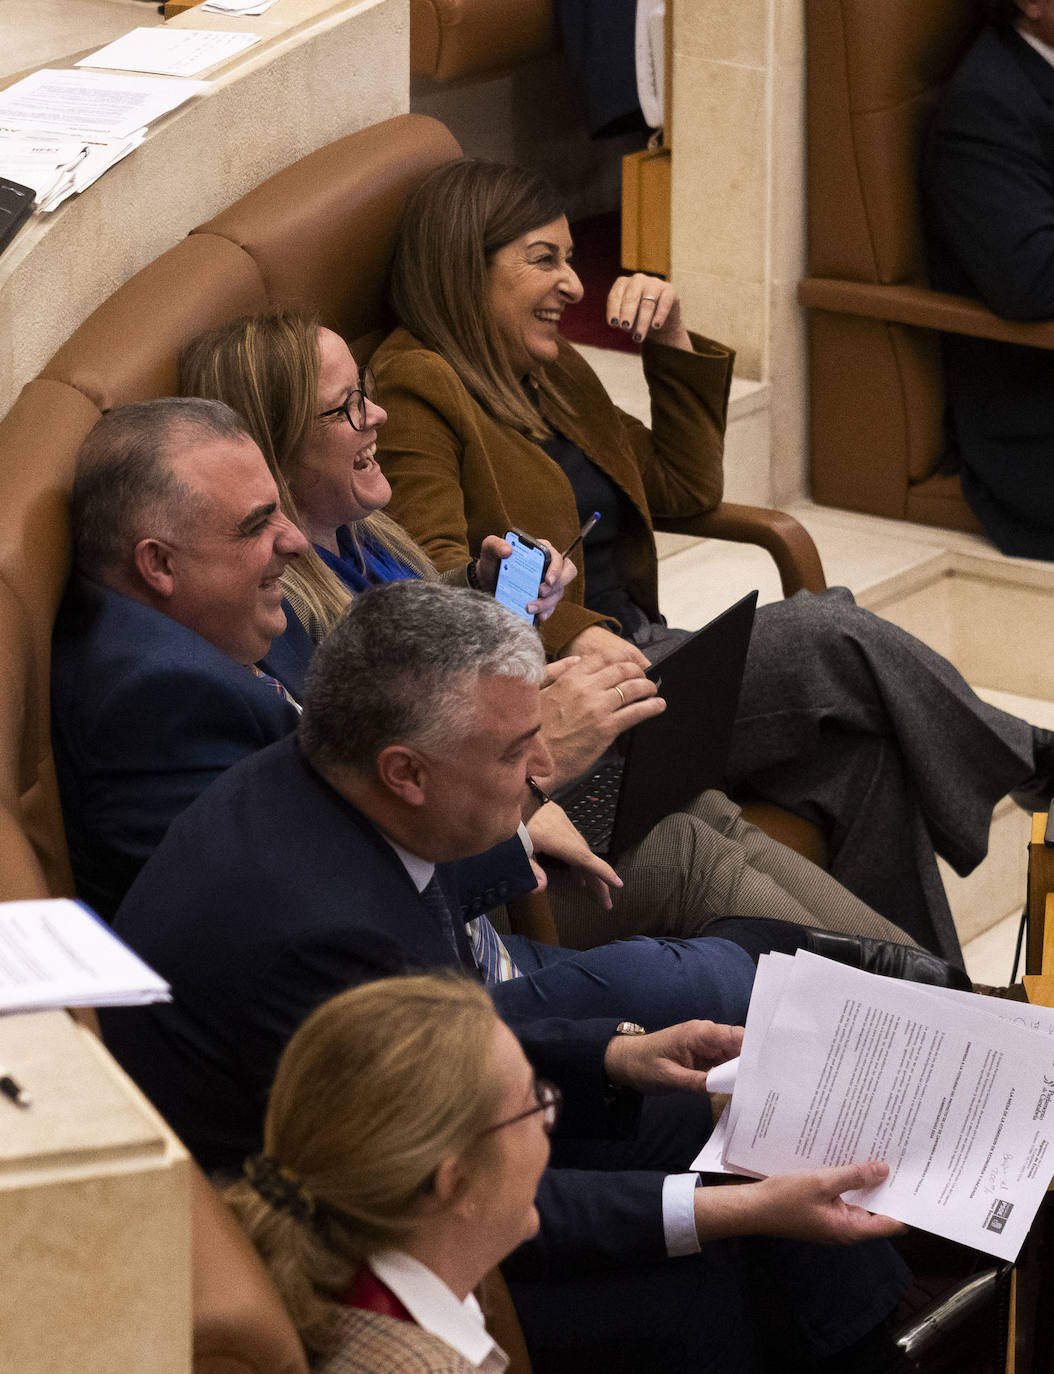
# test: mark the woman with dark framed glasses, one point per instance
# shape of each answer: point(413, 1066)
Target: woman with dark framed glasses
point(404, 1140)
point(314, 414)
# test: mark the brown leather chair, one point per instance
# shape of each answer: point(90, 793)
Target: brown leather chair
point(467, 38)
point(874, 72)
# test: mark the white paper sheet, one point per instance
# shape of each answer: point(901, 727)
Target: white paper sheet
point(102, 104)
point(950, 1091)
point(170, 52)
point(238, 7)
point(56, 953)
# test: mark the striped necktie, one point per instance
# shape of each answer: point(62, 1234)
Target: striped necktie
point(276, 687)
point(492, 959)
point(491, 955)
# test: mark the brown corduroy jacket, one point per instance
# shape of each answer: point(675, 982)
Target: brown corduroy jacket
point(458, 475)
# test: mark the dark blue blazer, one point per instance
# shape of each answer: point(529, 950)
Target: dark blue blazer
point(988, 196)
point(145, 714)
point(272, 893)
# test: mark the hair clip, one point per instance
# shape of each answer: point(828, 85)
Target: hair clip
point(279, 1186)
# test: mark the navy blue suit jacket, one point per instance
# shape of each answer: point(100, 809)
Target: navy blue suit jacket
point(988, 191)
point(272, 893)
point(145, 714)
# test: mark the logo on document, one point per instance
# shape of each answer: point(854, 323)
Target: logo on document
point(998, 1216)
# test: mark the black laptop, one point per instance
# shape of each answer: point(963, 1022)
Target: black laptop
point(671, 758)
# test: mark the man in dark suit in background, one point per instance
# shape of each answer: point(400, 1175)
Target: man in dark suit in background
point(988, 190)
point(331, 858)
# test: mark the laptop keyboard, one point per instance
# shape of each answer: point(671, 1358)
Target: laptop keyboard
point(591, 804)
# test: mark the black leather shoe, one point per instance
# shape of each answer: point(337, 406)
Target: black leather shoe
point(1036, 794)
point(882, 956)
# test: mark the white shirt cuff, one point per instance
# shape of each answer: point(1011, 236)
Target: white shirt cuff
point(525, 840)
point(678, 1214)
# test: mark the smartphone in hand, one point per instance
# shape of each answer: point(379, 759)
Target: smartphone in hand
point(520, 575)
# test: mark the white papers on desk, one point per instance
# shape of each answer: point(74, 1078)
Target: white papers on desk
point(955, 1092)
point(56, 953)
point(91, 104)
point(238, 7)
point(170, 52)
point(57, 168)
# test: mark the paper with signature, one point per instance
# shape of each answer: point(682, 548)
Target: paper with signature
point(951, 1090)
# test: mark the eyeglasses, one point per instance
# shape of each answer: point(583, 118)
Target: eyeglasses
point(548, 1098)
point(353, 408)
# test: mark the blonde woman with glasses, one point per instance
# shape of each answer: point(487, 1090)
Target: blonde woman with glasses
point(404, 1140)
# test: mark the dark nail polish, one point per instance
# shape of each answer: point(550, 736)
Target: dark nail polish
point(625, 324)
point(637, 338)
point(614, 319)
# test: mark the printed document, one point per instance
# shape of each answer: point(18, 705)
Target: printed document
point(57, 953)
point(97, 103)
point(170, 52)
point(954, 1091)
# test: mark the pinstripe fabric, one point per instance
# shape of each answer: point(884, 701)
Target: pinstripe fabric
point(703, 863)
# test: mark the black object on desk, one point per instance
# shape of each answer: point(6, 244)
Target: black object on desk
point(16, 206)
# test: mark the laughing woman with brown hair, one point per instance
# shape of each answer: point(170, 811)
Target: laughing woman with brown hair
point(497, 422)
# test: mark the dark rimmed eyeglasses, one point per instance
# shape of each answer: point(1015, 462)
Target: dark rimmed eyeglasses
point(548, 1098)
point(353, 407)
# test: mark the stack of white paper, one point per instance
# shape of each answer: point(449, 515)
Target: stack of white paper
point(79, 103)
point(955, 1092)
point(56, 168)
point(170, 52)
point(238, 7)
point(57, 953)
point(43, 164)
point(100, 115)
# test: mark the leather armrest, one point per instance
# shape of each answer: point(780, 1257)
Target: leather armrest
point(784, 538)
point(918, 305)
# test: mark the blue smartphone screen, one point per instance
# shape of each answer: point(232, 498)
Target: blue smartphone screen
point(519, 576)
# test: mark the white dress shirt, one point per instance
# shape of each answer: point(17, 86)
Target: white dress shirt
point(435, 1308)
point(1044, 49)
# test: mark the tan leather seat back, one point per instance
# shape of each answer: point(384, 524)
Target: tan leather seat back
point(456, 38)
point(321, 233)
point(38, 440)
point(875, 71)
point(874, 74)
point(126, 350)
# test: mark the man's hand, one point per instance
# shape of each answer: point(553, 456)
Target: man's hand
point(805, 1206)
point(560, 572)
point(672, 1060)
point(597, 642)
point(552, 833)
point(586, 704)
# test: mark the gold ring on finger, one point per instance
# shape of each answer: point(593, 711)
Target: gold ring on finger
point(622, 698)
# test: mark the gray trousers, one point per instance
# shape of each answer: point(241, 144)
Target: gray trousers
point(703, 863)
point(850, 721)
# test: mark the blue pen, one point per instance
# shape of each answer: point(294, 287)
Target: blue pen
point(581, 534)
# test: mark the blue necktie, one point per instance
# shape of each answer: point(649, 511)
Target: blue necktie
point(487, 954)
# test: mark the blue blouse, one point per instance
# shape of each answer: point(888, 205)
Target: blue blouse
point(363, 566)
